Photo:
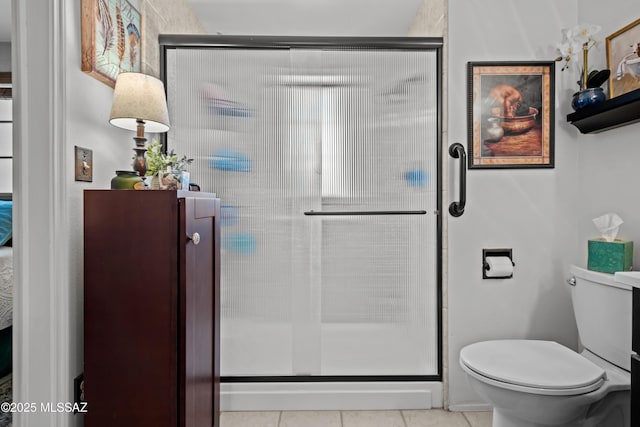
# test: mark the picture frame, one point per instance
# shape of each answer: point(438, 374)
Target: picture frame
point(623, 59)
point(111, 39)
point(510, 109)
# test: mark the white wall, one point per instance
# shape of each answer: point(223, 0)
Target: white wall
point(531, 211)
point(608, 167)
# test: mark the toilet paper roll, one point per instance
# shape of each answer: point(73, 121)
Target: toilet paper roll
point(499, 266)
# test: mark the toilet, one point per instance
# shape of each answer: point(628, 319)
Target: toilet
point(535, 383)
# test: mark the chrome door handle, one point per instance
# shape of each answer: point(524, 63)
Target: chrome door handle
point(571, 281)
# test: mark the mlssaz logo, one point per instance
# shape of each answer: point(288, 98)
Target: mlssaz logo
point(64, 407)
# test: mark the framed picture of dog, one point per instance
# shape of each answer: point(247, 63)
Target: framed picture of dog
point(623, 59)
point(510, 109)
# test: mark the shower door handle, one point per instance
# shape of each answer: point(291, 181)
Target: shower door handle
point(358, 213)
point(457, 151)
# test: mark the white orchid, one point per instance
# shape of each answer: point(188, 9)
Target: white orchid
point(576, 43)
point(568, 50)
point(583, 33)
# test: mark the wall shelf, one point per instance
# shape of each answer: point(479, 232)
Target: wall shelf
point(619, 111)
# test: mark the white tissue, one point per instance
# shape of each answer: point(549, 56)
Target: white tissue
point(499, 266)
point(608, 225)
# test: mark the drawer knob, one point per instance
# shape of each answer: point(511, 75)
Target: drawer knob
point(195, 238)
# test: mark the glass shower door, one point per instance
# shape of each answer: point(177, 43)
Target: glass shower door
point(326, 161)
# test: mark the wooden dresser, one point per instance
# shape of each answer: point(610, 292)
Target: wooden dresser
point(151, 308)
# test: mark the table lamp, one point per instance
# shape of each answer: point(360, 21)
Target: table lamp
point(139, 104)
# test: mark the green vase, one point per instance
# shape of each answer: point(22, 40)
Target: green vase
point(127, 180)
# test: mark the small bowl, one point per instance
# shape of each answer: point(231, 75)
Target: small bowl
point(519, 124)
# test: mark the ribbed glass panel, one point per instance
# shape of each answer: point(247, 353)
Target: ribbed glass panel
point(277, 133)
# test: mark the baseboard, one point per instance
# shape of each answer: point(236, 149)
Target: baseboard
point(330, 396)
point(471, 407)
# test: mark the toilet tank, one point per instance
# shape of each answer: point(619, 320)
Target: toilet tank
point(603, 314)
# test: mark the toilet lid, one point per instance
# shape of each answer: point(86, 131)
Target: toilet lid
point(535, 364)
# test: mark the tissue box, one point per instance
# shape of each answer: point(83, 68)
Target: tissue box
point(609, 257)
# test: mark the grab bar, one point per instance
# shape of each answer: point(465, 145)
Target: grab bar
point(457, 151)
point(310, 213)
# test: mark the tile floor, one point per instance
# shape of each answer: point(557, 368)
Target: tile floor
point(433, 417)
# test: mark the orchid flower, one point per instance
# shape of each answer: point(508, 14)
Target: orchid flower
point(583, 33)
point(568, 50)
point(577, 41)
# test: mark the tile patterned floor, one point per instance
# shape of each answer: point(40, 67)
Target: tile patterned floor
point(433, 417)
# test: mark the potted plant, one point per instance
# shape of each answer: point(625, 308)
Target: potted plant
point(580, 39)
point(165, 170)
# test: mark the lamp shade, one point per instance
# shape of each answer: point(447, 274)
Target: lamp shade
point(139, 97)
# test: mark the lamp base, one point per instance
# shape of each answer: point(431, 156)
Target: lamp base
point(140, 161)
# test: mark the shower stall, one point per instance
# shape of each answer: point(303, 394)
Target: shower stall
point(326, 155)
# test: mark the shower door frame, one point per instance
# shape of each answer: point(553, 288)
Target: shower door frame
point(169, 42)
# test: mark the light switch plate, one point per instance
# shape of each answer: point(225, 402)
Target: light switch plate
point(84, 164)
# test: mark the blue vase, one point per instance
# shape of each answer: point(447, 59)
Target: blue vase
point(588, 97)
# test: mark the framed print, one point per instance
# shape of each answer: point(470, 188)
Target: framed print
point(111, 39)
point(510, 114)
point(623, 59)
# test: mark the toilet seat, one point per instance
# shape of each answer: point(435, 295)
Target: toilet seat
point(539, 367)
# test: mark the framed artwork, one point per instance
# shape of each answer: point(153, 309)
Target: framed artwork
point(623, 59)
point(111, 39)
point(510, 108)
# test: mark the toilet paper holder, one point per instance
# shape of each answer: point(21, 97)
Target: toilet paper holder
point(495, 253)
